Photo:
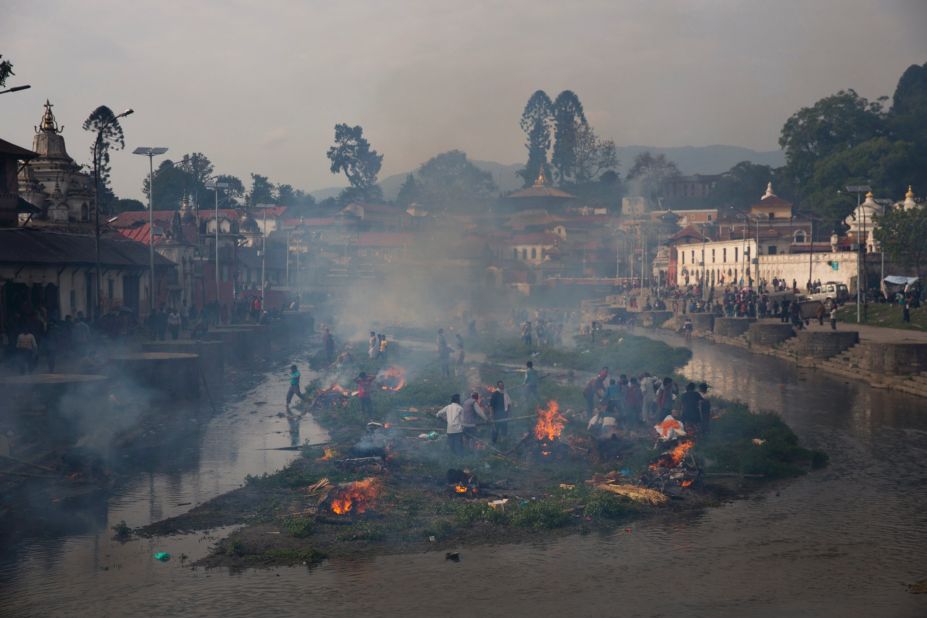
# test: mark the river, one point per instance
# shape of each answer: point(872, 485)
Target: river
point(843, 541)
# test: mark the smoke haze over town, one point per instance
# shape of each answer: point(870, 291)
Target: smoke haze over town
point(258, 85)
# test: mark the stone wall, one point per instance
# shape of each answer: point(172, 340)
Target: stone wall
point(825, 344)
point(732, 327)
point(654, 318)
point(897, 358)
point(702, 322)
point(769, 334)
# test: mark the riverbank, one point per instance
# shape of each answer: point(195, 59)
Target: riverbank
point(410, 495)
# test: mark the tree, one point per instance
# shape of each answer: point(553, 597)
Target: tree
point(262, 190)
point(108, 135)
point(286, 195)
point(128, 205)
point(650, 175)
point(901, 234)
point(742, 185)
point(352, 155)
point(450, 181)
point(536, 122)
point(171, 184)
point(409, 193)
point(834, 123)
point(569, 119)
point(6, 70)
point(592, 156)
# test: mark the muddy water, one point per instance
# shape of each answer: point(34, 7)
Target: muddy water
point(840, 542)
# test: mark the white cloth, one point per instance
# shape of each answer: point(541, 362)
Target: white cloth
point(453, 414)
point(670, 428)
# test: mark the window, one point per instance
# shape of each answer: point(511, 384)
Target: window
point(735, 254)
point(772, 216)
point(771, 250)
point(693, 256)
point(724, 254)
point(683, 254)
point(799, 237)
point(524, 254)
point(712, 256)
point(534, 253)
point(109, 289)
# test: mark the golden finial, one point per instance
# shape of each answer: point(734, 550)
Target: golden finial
point(910, 193)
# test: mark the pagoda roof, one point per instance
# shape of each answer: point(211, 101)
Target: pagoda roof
point(10, 150)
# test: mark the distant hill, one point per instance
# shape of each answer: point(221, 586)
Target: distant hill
point(690, 159)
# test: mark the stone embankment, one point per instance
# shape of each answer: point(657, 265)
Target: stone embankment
point(899, 365)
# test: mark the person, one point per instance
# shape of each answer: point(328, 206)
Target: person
point(593, 387)
point(501, 406)
point(173, 323)
point(452, 413)
point(819, 314)
point(532, 382)
point(704, 408)
point(612, 398)
point(28, 351)
point(526, 333)
point(383, 345)
point(633, 400)
point(472, 413)
point(687, 328)
point(648, 397)
point(665, 396)
point(460, 351)
point(328, 342)
point(256, 308)
point(364, 383)
point(833, 317)
point(906, 313)
point(690, 404)
point(444, 353)
point(373, 346)
point(294, 386)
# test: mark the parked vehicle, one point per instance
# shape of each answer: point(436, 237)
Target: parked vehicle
point(830, 293)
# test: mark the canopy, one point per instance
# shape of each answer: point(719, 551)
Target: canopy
point(899, 280)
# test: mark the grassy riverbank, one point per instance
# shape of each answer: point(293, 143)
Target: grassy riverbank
point(515, 489)
point(885, 316)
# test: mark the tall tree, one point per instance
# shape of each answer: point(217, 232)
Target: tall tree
point(449, 181)
point(199, 170)
point(107, 133)
point(569, 119)
point(592, 156)
point(536, 122)
point(286, 195)
point(901, 234)
point(409, 192)
point(650, 175)
point(171, 184)
point(742, 185)
point(834, 123)
point(6, 70)
point(262, 190)
point(352, 155)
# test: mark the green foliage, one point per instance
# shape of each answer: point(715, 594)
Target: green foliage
point(741, 186)
point(605, 505)
point(450, 181)
point(593, 157)
point(262, 190)
point(536, 122)
point(352, 155)
point(468, 513)
point(409, 193)
point(127, 205)
point(541, 515)
point(294, 556)
point(108, 136)
point(363, 531)
point(569, 118)
point(652, 174)
point(902, 234)
point(300, 527)
point(730, 445)
point(6, 70)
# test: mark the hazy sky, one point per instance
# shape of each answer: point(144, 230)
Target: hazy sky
point(259, 85)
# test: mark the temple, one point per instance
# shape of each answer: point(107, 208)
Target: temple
point(53, 182)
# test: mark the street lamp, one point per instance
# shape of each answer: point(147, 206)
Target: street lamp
point(97, 145)
point(16, 89)
point(215, 185)
point(151, 152)
point(263, 207)
point(860, 259)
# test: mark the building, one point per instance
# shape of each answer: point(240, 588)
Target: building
point(532, 248)
point(11, 205)
point(54, 183)
point(862, 222)
point(540, 196)
point(724, 262)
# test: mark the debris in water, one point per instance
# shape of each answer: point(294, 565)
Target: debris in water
point(453, 556)
point(162, 556)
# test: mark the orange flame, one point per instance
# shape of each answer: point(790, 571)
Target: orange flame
point(356, 496)
point(461, 489)
point(392, 378)
point(337, 388)
point(550, 422)
point(687, 482)
point(680, 451)
point(328, 455)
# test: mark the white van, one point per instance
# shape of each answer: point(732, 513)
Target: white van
point(831, 292)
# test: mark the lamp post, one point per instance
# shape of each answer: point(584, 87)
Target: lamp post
point(151, 152)
point(16, 89)
point(860, 264)
point(264, 208)
point(97, 145)
point(215, 185)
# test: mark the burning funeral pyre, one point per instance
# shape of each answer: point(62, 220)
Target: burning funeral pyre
point(462, 483)
point(391, 378)
point(547, 429)
point(675, 467)
point(335, 396)
point(354, 497)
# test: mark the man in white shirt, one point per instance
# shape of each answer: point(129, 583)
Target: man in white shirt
point(453, 414)
point(649, 397)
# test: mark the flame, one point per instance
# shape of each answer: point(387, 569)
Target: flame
point(337, 388)
point(328, 455)
point(461, 489)
point(356, 496)
point(392, 378)
point(687, 482)
point(680, 451)
point(550, 422)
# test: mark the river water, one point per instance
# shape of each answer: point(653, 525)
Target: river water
point(843, 541)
